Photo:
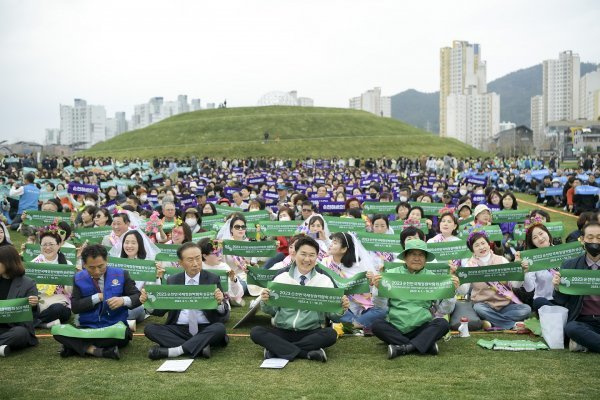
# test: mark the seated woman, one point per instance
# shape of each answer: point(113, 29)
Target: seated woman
point(482, 215)
point(136, 245)
point(284, 214)
point(447, 229)
point(4, 235)
point(410, 325)
point(102, 218)
point(494, 302)
point(55, 300)
point(212, 258)
point(193, 219)
point(347, 257)
point(538, 282)
point(316, 227)
point(180, 234)
point(14, 285)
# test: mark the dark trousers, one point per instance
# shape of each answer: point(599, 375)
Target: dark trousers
point(54, 312)
point(586, 332)
point(539, 302)
point(81, 345)
point(16, 337)
point(179, 335)
point(288, 344)
point(422, 338)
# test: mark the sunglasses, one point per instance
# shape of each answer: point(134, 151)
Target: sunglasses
point(240, 227)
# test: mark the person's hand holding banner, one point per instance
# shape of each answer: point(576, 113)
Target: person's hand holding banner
point(556, 280)
point(219, 296)
point(143, 296)
point(33, 301)
point(345, 303)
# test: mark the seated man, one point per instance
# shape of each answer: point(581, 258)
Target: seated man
point(583, 323)
point(410, 325)
point(190, 331)
point(298, 333)
point(101, 297)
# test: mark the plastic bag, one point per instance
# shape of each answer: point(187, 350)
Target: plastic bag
point(553, 320)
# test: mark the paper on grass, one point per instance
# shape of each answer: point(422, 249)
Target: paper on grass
point(277, 363)
point(175, 365)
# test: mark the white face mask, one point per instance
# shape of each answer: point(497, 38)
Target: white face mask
point(463, 192)
point(479, 192)
point(143, 197)
point(252, 196)
point(284, 217)
point(89, 202)
point(403, 198)
point(191, 222)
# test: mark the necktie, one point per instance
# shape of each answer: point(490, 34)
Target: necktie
point(302, 280)
point(95, 281)
point(192, 317)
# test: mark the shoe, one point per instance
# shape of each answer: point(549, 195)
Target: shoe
point(66, 352)
point(52, 323)
point(317, 355)
point(395, 351)
point(267, 354)
point(111, 352)
point(206, 352)
point(225, 340)
point(4, 351)
point(367, 332)
point(434, 350)
point(485, 325)
point(576, 347)
point(132, 324)
point(157, 353)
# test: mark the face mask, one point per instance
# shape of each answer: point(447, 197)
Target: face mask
point(479, 192)
point(373, 195)
point(403, 198)
point(593, 249)
point(191, 222)
point(89, 202)
point(252, 196)
point(253, 209)
point(143, 197)
point(463, 192)
point(284, 217)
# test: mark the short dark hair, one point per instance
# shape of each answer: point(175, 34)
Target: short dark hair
point(123, 216)
point(584, 219)
point(411, 231)
point(306, 241)
point(206, 246)
point(476, 236)
point(454, 219)
point(13, 266)
point(65, 226)
point(29, 177)
point(184, 247)
point(380, 216)
point(512, 196)
point(589, 225)
point(94, 251)
point(529, 236)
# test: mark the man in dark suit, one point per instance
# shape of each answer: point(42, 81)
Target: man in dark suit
point(583, 323)
point(190, 332)
point(14, 285)
point(101, 297)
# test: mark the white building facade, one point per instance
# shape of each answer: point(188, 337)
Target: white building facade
point(589, 96)
point(372, 101)
point(81, 124)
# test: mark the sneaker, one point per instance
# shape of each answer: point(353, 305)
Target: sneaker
point(132, 324)
point(4, 350)
point(267, 354)
point(486, 325)
point(317, 355)
point(66, 352)
point(111, 352)
point(576, 347)
point(395, 350)
point(434, 350)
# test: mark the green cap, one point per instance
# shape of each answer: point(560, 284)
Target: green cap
point(417, 244)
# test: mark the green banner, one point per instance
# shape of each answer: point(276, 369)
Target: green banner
point(170, 271)
point(356, 285)
point(226, 210)
point(253, 217)
point(45, 196)
point(340, 224)
point(439, 268)
point(166, 258)
point(34, 250)
point(491, 273)
point(45, 218)
point(494, 232)
point(374, 207)
point(466, 221)
point(579, 282)
point(309, 298)
point(445, 251)
point(279, 228)
point(209, 220)
point(202, 235)
point(15, 310)
point(168, 249)
point(179, 297)
point(223, 276)
point(139, 270)
point(429, 208)
point(556, 229)
point(52, 274)
point(91, 235)
point(416, 286)
point(244, 248)
point(168, 226)
point(380, 242)
point(503, 216)
point(116, 331)
point(398, 226)
point(551, 257)
point(259, 276)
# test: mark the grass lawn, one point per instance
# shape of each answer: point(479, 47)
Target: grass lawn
point(357, 369)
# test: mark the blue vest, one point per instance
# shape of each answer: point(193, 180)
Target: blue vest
point(29, 198)
point(101, 315)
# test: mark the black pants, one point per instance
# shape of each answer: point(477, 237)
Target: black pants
point(16, 337)
point(81, 345)
point(179, 335)
point(586, 332)
point(289, 344)
point(54, 312)
point(422, 338)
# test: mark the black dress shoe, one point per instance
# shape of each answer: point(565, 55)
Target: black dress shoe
point(67, 352)
point(267, 354)
point(317, 355)
point(157, 352)
point(434, 350)
point(206, 352)
point(111, 352)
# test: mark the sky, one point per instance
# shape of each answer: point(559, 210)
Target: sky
point(119, 53)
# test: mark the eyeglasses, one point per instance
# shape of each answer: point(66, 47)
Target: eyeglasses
point(49, 244)
point(240, 227)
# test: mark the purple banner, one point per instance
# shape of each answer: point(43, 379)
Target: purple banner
point(80, 188)
point(478, 198)
point(332, 206)
point(187, 202)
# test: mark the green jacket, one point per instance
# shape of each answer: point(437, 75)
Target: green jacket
point(408, 315)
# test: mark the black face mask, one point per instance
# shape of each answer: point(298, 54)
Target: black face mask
point(373, 195)
point(593, 249)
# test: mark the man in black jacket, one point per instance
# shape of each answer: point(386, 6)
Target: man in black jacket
point(583, 326)
point(190, 332)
